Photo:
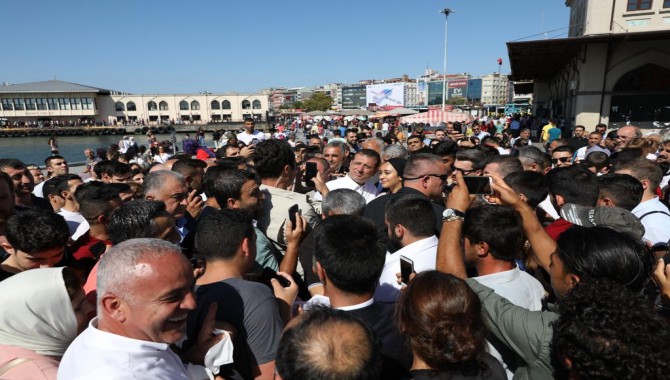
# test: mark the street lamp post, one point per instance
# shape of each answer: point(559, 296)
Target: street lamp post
point(446, 12)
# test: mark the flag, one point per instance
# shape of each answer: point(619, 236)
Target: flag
point(500, 61)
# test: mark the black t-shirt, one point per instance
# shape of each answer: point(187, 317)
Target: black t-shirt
point(491, 370)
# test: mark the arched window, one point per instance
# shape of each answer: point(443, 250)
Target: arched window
point(152, 106)
point(195, 105)
point(120, 107)
point(183, 105)
point(257, 104)
point(130, 106)
point(225, 105)
point(246, 105)
point(216, 105)
point(163, 106)
point(641, 96)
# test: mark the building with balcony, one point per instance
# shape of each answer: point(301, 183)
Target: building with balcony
point(613, 68)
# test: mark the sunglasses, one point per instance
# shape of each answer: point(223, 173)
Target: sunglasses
point(442, 177)
point(560, 159)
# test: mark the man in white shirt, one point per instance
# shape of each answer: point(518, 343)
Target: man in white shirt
point(478, 133)
point(145, 292)
point(362, 168)
point(653, 214)
point(493, 238)
point(56, 165)
point(250, 133)
point(410, 223)
point(66, 188)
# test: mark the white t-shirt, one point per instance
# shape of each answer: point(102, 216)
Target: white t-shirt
point(367, 190)
point(75, 222)
point(656, 225)
point(247, 138)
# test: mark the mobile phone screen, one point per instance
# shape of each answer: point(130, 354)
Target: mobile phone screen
point(478, 185)
point(310, 173)
point(406, 269)
point(291, 214)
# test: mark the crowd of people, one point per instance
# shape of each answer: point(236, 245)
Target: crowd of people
point(355, 254)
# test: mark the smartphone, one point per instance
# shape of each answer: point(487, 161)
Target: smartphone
point(406, 269)
point(254, 141)
point(269, 274)
point(310, 173)
point(291, 214)
point(478, 185)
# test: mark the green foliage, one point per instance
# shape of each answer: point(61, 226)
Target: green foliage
point(318, 102)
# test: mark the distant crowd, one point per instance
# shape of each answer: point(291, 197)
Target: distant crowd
point(514, 248)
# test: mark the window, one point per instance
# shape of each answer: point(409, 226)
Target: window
point(130, 106)
point(225, 105)
point(163, 106)
point(30, 104)
point(53, 103)
point(666, 3)
point(216, 105)
point(257, 104)
point(639, 5)
point(152, 106)
point(195, 105)
point(7, 105)
point(183, 105)
point(75, 103)
point(18, 104)
point(120, 107)
point(246, 105)
point(41, 104)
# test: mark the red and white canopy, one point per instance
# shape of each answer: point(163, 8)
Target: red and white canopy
point(435, 116)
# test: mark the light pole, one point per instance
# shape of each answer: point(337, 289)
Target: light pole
point(446, 12)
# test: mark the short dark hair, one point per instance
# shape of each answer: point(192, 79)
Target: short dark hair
point(11, 163)
point(211, 244)
point(609, 332)
point(603, 253)
point(414, 212)
point(271, 156)
point(188, 166)
point(599, 159)
point(446, 148)
point(498, 226)
point(352, 264)
point(530, 184)
point(575, 184)
point(630, 154)
point(229, 163)
point(111, 168)
point(35, 230)
point(476, 156)
point(223, 184)
point(563, 148)
point(93, 198)
point(62, 184)
point(370, 153)
point(47, 161)
point(507, 163)
point(329, 344)
point(135, 220)
point(625, 190)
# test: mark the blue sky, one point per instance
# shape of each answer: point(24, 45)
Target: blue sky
point(147, 46)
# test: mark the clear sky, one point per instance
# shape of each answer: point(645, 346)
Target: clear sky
point(148, 46)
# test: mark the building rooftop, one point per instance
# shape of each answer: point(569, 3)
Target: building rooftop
point(51, 86)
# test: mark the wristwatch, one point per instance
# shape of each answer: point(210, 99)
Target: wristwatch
point(450, 214)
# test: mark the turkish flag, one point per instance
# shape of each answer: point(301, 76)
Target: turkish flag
point(500, 61)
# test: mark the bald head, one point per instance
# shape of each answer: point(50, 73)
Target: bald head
point(328, 344)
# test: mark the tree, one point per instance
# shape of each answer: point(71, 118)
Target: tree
point(318, 102)
point(297, 105)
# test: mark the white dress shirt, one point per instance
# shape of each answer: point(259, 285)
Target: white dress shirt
point(422, 252)
point(368, 189)
point(97, 354)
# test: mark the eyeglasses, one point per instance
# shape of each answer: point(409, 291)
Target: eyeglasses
point(560, 159)
point(442, 177)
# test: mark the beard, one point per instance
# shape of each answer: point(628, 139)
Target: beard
point(394, 244)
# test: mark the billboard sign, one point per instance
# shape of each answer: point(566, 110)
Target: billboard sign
point(456, 89)
point(389, 94)
point(421, 93)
